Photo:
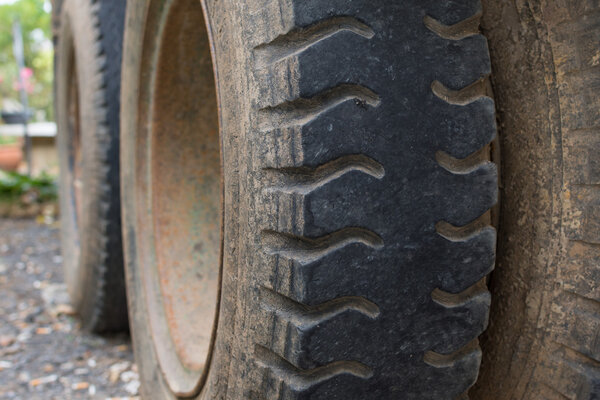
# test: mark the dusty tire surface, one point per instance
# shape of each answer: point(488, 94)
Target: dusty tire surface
point(544, 335)
point(356, 189)
point(87, 104)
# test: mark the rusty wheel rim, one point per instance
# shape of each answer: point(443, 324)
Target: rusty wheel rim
point(178, 153)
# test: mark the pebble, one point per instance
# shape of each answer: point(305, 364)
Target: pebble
point(62, 309)
point(43, 330)
point(129, 376)
point(44, 380)
point(24, 336)
point(6, 340)
point(81, 371)
point(5, 365)
point(80, 386)
point(54, 294)
point(115, 370)
point(15, 348)
point(67, 366)
point(48, 368)
point(24, 376)
point(133, 387)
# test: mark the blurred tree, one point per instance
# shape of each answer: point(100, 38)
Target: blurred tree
point(35, 16)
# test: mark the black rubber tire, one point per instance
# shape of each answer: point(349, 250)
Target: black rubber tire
point(90, 41)
point(357, 193)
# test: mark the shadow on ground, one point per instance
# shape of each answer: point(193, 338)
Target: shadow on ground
point(43, 353)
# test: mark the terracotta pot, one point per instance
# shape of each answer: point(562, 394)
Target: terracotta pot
point(11, 156)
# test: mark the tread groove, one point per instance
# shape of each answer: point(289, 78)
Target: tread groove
point(458, 31)
point(300, 39)
point(586, 185)
point(463, 166)
point(298, 379)
point(304, 180)
point(465, 96)
point(589, 303)
point(306, 250)
point(304, 110)
point(451, 300)
point(466, 232)
point(585, 242)
point(438, 360)
point(306, 317)
point(576, 356)
point(556, 391)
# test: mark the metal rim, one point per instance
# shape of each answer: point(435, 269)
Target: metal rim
point(178, 157)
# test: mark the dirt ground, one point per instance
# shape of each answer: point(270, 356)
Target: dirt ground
point(43, 352)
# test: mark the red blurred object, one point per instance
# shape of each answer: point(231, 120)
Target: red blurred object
point(11, 156)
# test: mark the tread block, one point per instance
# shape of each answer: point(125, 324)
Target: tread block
point(580, 94)
point(580, 324)
point(581, 273)
point(582, 213)
point(570, 374)
point(580, 148)
point(577, 10)
point(473, 194)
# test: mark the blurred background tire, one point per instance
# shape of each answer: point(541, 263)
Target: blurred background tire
point(88, 63)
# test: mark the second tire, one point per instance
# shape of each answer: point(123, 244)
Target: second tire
point(88, 66)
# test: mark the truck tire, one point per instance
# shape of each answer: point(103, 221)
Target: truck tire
point(87, 106)
point(544, 336)
point(311, 220)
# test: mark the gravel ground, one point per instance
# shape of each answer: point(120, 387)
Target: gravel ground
point(43, 352)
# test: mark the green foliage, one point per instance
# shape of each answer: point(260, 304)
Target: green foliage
point(8, 140)
point(14, 187)
point(35, 22)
